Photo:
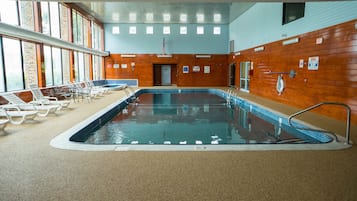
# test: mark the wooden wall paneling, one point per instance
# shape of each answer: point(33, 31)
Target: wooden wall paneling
point(335, 80)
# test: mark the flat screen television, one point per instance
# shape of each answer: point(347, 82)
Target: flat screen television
point(293, 11)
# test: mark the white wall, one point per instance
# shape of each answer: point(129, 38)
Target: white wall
point(262, 23)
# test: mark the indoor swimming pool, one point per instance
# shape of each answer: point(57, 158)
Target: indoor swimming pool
point(189, 119)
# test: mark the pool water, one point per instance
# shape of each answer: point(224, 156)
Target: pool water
point(192, 118)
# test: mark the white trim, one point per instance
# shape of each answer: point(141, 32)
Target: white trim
point(32, 36)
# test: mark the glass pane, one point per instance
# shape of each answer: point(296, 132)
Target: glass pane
point(86, 66)
point(45, 18)
point(55, 30)
point(48, 65)
point(242, 70)
point(30, 63)
point(74, 27)
point(64, 22)
point(76, 74)
point(2, 79)
point(13, 64)
point(242, 84)
point(26, 15)
point(57, 66)
point(79, 29)
point(81, 66)
point(85, 32)
point(8, 12)
point(65, 66)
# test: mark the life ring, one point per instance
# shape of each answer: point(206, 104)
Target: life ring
point(280, 84)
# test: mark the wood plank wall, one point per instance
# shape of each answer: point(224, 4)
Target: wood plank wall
point(143, 70)
point(335, 79)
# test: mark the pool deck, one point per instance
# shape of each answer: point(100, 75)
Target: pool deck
point(30, 169)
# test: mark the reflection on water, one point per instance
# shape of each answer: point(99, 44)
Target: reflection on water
point(191, 118)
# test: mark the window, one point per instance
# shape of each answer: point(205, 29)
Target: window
point(200, 30)
point(217, 30)
point(8, 12)
point(97, 67)
point(13, 64)
point(86, 25)
point(86, 67)
point(166, 30)
point(57, 66)
point(132, 30)
point(149, 30)
point(115, 30)
point(183, 30)
point(54, 19)
point(45, 14)
point(81, 67)
point(244, 76)
point(293, 11)
point(65, 66)
point(48, 65)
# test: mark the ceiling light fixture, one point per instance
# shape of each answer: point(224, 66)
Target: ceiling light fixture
point(205, 56)
point(258, 49)
point(128, 55)
point(290, 41)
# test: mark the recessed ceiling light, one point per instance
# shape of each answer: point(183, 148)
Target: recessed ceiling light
point(166, 17)
point(150, 17)
point(183, 17)
point(132, 17)
point(217, 17)
point(200, 17)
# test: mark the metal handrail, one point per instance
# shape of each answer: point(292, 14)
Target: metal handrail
point(348, 120)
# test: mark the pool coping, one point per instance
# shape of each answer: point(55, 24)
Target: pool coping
point(62, 141)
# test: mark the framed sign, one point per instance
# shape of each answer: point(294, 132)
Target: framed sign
point(207, 69)
point(116, 66)
point(196, 69)
point(185, 69)
point(124, 66)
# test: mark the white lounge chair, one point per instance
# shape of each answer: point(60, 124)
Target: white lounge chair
point(43, 110)
point(100, 89)
point(4, 120)
point(15, 114)
point(40, 99)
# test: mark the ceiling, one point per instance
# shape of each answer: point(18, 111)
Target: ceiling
point(118, 11)
point(155, 12)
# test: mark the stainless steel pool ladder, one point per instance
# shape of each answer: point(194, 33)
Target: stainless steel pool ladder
point(348, 120)
point(230, 94)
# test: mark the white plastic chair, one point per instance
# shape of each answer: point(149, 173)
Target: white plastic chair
point(40, 99)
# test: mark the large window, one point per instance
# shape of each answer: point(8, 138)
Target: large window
point(77, 22)
point(57, 66)
point(48, 65)
point(45, 15)
point(8, 12)
point(54, 13)
point(293, 11)
point(66, 66)
point(13, 64)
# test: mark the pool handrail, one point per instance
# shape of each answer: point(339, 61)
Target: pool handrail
point(348, 119)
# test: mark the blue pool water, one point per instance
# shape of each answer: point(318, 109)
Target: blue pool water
point(191, 117)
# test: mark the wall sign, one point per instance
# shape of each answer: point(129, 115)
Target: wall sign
point(196, 69)
point(207, 69)
point(313, 63)
point(116, 66)
point(124, 66)
point(185, 69)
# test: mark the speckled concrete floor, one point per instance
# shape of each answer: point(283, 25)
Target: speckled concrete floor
point(30, 169)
